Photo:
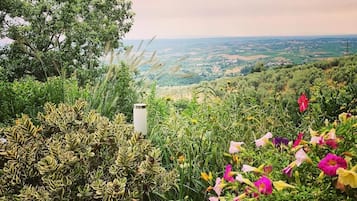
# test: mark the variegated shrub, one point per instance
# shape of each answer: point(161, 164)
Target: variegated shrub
point(76, 154)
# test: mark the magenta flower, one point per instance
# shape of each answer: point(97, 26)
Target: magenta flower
point(235, 147)
point(303, 102)
point(331, 163)
point(228, 174)
point(298, 140)
point(264, 185)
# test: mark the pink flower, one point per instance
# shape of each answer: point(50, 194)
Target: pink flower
point(317, 140)
point(213, 199)
point(289, 169)
point(268, 169)
point(263, 140)
point(235, 147)
point(218, 186)
point(303, 102)
point(228, 174)
point(248, 168)
point(331, 163)
point(301, 156)
point(298, 140)
point(332, 139)
point(264, 185)
point(240, 178)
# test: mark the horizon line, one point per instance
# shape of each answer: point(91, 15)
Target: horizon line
point(242, 36)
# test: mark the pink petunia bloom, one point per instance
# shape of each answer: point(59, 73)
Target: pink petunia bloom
point(300, 157)
point(263, 140)
point(331, 163)
point(218, 186)
point(298, 140)
point(213, 199)
point(317, 140)
point(235, 147)
point(264, 185)
point(289, 169)
point(248, 168)
point(240, 178)
point(303, 102)
point(228, 173)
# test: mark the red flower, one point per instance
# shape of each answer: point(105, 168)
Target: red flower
point(303, 102)
point(298, 140)
point(332, 143)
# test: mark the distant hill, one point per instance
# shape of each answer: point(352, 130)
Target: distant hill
point(191, 61)
point(337, 75)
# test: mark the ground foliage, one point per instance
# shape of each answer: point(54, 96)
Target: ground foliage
point(194, 134)
point(76, 154)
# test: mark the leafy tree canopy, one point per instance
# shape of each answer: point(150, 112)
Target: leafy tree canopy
point(52, 35)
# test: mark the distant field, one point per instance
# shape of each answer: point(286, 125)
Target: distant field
point(196, 60)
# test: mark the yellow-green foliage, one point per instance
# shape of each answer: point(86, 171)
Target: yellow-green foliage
point(75, 154)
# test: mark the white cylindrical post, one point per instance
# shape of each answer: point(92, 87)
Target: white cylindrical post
point(140, 115)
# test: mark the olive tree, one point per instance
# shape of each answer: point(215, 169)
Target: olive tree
point(50, 36)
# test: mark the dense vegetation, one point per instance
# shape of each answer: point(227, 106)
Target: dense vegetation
point(244, 109)
point(193, 135)
point(287, 133)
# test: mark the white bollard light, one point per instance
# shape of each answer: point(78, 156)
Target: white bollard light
point(140, 118)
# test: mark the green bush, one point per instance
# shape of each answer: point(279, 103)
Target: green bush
point(27, 96)
point(76, 154)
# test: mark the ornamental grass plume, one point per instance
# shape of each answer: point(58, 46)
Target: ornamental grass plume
point(331, 163)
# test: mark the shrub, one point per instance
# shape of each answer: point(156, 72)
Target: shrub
point(28, 96)
point(75, 154)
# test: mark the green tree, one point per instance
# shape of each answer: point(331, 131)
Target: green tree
point(50, 36)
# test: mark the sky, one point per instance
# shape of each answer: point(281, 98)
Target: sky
point(219, 18)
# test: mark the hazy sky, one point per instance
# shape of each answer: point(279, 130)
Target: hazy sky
point(210, 18)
